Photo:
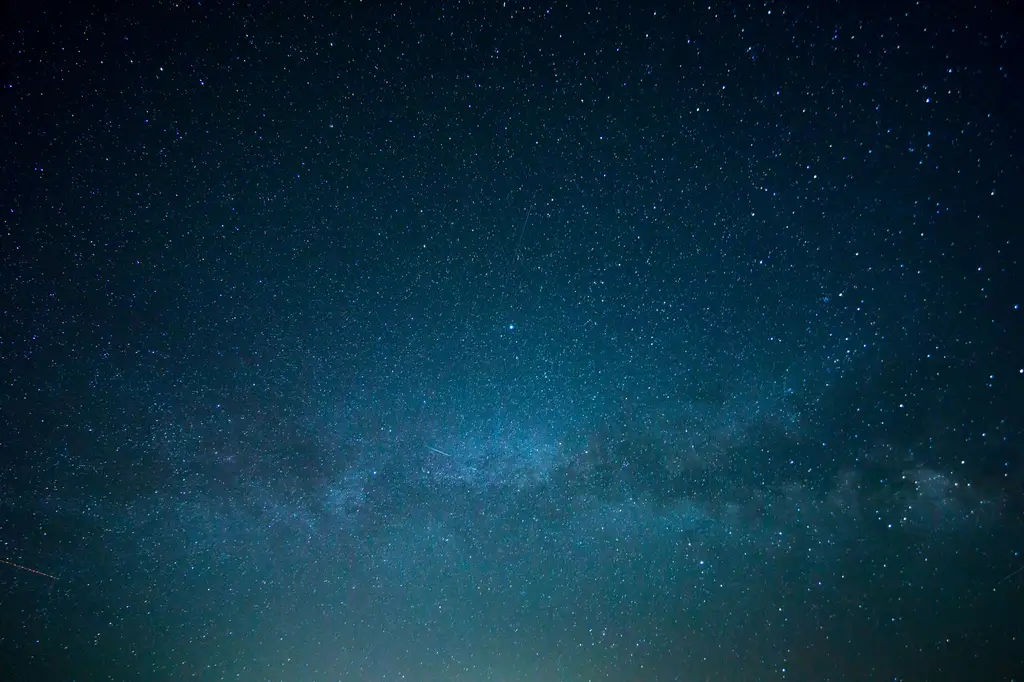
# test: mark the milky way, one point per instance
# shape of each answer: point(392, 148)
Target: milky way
point(508, 342)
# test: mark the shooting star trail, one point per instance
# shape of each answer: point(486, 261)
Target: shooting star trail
point(26, 568)
point(440, 452)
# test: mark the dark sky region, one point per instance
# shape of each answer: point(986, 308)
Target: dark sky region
point(501, 341)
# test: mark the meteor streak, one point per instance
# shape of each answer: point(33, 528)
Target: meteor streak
point(26, 568)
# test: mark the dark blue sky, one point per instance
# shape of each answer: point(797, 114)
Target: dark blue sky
point(502, 341)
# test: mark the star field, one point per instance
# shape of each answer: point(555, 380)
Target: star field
point(506, 341)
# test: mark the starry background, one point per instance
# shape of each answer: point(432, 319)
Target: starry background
point(509, 341)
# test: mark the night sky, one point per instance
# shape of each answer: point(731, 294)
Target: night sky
point(495, 342)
